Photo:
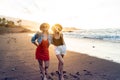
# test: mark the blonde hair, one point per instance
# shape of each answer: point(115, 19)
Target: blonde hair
point(44, 25)
point(57, 27)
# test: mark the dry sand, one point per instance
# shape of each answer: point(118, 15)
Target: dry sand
point(17, 62)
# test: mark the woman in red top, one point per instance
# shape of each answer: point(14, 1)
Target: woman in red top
point(42, 52)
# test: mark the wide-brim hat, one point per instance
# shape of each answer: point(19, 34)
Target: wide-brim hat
point(57, 27)
point(44, 25)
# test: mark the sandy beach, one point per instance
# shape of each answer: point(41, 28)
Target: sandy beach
point(17, 62)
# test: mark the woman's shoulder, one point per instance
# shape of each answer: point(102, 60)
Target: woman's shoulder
point(38, 34)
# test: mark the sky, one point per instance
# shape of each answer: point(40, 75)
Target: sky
point(85, 14)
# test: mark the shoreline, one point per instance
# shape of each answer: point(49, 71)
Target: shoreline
point(17, 60)
point(97, 48)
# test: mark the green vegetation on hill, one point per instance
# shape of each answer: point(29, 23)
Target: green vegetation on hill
point(9, 23)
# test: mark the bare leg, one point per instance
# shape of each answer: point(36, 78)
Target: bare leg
point(60, 65)
point(46, 67)
point(62, 78)
point(41, 67)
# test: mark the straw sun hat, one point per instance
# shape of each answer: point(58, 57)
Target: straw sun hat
point(44, 25)
point(57, 27)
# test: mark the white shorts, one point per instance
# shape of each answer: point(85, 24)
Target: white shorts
point(60, 49)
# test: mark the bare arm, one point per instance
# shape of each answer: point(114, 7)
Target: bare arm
point(35, 44)
point(62, 38)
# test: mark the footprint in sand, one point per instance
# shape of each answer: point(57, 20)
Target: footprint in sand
point(66, 75)
point(9, 78)
point(11, 39)
point(88, 73)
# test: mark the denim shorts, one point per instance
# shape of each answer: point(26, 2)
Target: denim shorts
point(60, 49)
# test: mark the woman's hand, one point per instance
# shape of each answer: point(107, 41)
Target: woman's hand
point(36, 44)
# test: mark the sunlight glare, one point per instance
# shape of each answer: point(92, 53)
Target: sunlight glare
point(86, 14)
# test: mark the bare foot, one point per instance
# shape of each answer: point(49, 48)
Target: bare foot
point(45, 78)
point(62, 78)
point(46, 75)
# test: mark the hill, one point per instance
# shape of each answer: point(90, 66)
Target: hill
point(69, 29)
point(15, 25)
point(33, 26)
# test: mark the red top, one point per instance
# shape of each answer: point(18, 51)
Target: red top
point(42, 52)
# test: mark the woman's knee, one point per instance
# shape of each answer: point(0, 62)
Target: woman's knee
point(61, 62)
point(40, 62)
point(46, 66)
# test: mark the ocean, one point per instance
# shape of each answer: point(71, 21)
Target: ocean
point(100, 43)
point(112, 35)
